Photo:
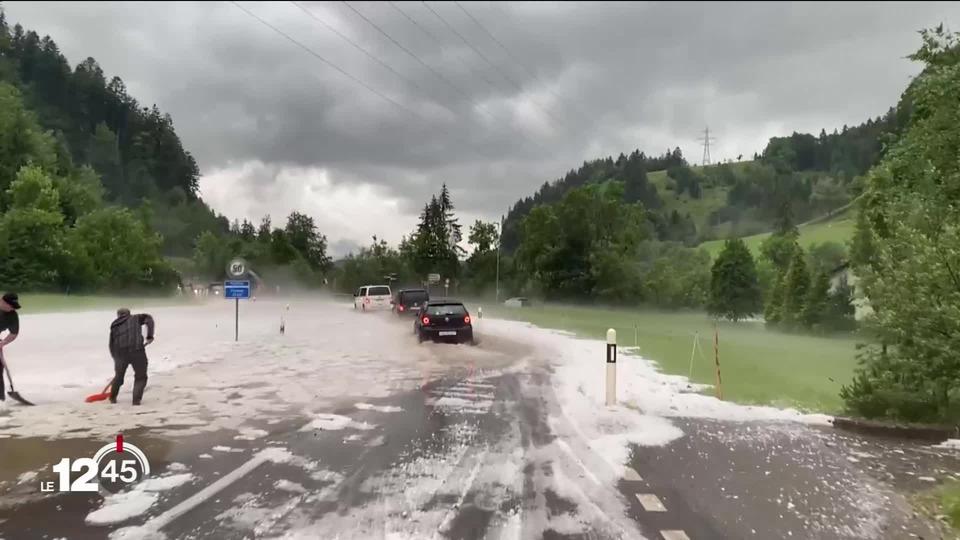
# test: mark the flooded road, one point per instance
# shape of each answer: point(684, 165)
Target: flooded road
point(347, 428)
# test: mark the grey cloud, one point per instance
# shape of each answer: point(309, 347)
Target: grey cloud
point(647, 75)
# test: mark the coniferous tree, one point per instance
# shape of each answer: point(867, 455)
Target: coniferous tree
point(451, 224)
point(796, 285)
point(816, 305)
point(247, 231)
point(773, 309)
point(734, 289)
point(265, 229)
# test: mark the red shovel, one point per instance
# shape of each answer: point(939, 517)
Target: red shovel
point(92, 398)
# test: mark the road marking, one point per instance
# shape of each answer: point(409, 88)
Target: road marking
point(264, 526)
point(573, 457)
point(478, 384)
point(466, 395)
point(631, 475)
point(467, 486)
point(650, 502)
point(157, 523)
point(674, 535)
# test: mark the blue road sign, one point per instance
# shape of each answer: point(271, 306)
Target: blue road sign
point(236, 289)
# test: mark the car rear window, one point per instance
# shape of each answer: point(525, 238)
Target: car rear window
point(447, 309)
point(413, 296)
point(379, 291)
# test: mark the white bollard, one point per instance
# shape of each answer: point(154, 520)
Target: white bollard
point(480, 312)
point(611, 367)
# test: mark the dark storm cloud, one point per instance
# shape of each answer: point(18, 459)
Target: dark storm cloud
point(613, 77)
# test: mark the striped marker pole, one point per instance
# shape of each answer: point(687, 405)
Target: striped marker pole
point(611, 367)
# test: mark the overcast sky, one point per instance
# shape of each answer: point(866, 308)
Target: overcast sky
point(435, 99)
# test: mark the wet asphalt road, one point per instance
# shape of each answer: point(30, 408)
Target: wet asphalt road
point(481, 451)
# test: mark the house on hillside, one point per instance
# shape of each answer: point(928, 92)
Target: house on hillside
point(843, 274)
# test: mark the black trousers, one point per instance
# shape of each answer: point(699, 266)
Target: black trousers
point(3, 385)
point(137, 359)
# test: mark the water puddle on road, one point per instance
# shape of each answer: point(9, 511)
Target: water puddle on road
point(381, 458)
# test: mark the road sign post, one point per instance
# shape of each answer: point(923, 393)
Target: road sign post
point(236, 289)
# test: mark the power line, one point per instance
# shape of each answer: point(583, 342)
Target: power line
point(439, 42)
point(369, 55)
point(475, 50)
point(325, 61)
point(353, 78)
point(439, 75)
point(517, 60)
point(406, 50)
point(517, 85)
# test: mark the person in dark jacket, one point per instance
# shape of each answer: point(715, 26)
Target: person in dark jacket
point(128, 349)
point(10, 323)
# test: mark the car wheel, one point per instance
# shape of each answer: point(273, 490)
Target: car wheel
point(419, 337)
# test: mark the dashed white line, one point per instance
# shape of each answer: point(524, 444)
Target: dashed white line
point(631, 475)
point(650, 502)
point(674, 535)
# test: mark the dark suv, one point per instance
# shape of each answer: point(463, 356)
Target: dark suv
point(409, 301)
point(443, 320)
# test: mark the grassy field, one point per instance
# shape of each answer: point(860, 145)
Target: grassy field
point(758, 366)
point(47, 302)
point(943, 500)
point(835, 230)
point(950, 501)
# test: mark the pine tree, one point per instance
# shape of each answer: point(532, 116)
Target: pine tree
point(862, 245)
point(784, 224)
point(816, 304)
point(734, 289)
point(247, 231)
point(263, 232)
point(452, 229)
point(773, 310)
point(795, 288)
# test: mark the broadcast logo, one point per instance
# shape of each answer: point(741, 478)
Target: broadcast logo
point(113, 467)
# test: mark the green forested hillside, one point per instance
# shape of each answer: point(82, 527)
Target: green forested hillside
point(812, 175)
point(97, 192)
point(92, 120)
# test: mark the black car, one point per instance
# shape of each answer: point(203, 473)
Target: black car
point(409, 301)
point(444, 320)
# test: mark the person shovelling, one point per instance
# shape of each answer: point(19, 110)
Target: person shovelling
point(9, 323)
point(128, 349)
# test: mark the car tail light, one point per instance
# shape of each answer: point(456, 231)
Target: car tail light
point(466, 320)
point(400, 307)
point(426, 320)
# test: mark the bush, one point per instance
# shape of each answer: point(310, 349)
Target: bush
point(889, 386)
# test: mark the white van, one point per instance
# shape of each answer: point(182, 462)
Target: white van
point(371, 297)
